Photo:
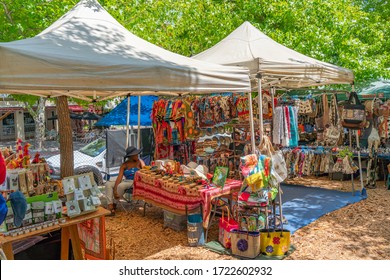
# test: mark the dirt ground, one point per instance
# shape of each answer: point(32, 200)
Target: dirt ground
point(360, 231)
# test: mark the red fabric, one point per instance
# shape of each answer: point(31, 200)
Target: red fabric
point(3, 169)
point(176, 202)
point(286, 111)
point(92, 235)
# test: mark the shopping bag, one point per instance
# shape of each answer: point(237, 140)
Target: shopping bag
point(252, 222)
point(353, 115)
point(245, 243)
point(279, 166)
point(226, 225)
point(274, 243)
point(195, 231)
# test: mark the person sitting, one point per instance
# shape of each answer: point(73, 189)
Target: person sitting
point(115, 190)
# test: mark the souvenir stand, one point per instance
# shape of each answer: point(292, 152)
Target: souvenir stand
point(178, 125)
point(273, 66)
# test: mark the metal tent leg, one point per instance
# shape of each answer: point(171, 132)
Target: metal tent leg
point(360, 162)
point(350, 146)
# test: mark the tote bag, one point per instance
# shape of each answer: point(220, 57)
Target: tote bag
point(226, 225)
point(354, 113)
point(245, 243)
point(274, 243)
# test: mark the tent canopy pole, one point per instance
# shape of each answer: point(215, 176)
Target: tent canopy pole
point(128, 121)
point(139, 123)
point(251, 123)
point(260, 102)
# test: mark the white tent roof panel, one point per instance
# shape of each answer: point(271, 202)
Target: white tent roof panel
point(279, 66)
point(87, 52)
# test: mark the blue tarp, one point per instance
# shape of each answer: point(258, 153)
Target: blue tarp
point(118, 115)
point(303, 205)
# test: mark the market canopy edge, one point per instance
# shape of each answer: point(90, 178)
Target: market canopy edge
point(87, 54)
point(278, 65)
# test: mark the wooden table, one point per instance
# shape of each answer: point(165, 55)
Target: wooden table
point(68, 231)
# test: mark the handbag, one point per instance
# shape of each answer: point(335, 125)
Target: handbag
point(305, 107)
point(245, 243)
point(322, 121)
point(353, 114)
point(252, 221)
point(226, 225)
point(333, 132)
point(279, 166)
point(274, 243)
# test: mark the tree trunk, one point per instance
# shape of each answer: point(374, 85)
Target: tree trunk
point(40, 124)
point(66, 139)
point(39, 119)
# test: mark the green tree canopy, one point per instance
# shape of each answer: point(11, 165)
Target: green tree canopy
point(349, 33)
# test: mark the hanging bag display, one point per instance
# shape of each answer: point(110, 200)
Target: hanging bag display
point(354, 113)
point(226, 225)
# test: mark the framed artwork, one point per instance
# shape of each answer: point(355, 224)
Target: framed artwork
point(220, 175)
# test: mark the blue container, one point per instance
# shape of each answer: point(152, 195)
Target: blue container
point(195, 231)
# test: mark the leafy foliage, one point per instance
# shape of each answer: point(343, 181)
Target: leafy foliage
point(349, 33)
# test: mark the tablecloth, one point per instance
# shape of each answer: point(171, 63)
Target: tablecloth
point(173, 201)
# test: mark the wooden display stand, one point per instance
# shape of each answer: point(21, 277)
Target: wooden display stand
point(68, 232)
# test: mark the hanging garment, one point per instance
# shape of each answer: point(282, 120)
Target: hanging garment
point(206, 113)
point(293, 112)
point(225, 105)
point(178, 119)
point(277, 126)
point(215, 104)
point(286, 127)
point(190, 128)
point(242, 106)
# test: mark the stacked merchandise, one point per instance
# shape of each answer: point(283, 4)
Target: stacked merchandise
point(197, 128)
point(81, 195)
point(306, 161)
point(258, 193)
point(25, 215)
point(31, 177)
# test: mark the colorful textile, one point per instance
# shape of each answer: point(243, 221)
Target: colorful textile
point(92, 234)
point(177, 202)
point(208, 195)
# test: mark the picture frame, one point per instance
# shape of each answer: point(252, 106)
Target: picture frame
point(220, 175)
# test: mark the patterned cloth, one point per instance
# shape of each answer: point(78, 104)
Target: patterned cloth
point(208, 195)
point(92, 234)
point(177, 202)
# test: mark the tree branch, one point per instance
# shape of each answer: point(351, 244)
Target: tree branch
point(30, 110)
point(7, 12)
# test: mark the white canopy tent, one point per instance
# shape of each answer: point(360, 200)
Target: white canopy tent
point(278, 65)
point(87, 54)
